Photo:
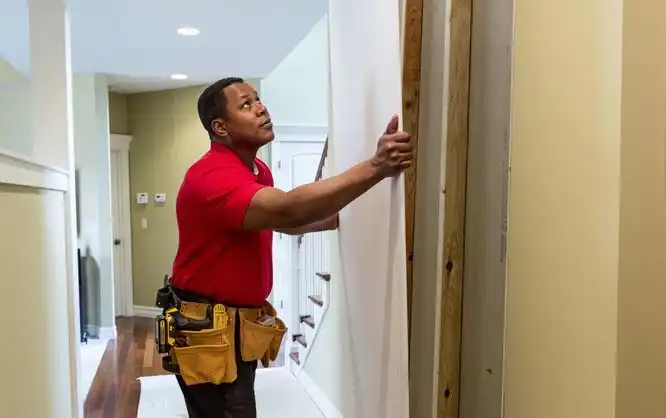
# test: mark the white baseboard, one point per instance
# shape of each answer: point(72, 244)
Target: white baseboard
point(318, 397)
point(102, 333)
point(108, 333)
point(147, 311)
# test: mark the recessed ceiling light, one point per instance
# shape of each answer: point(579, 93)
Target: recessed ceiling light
point(188, 31)
point(178, 77)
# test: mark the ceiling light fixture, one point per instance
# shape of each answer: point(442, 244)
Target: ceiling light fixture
point(178, 77)
point(188, 31)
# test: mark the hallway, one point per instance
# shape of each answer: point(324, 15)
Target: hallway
point(116, 391)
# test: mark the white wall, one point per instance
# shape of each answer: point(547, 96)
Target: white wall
point(484, 280)
point(360, 357)
point(15, 109)
point(296, 91)
point(92, 151)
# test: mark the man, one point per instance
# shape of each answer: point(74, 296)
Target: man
point(227, 210)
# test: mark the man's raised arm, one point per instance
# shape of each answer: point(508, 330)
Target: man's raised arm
point(272, 208)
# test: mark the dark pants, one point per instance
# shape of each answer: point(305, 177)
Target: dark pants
point(227, 400)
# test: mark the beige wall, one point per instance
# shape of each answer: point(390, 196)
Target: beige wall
point(564, 194)
point(167, 139)
point(642, 307)
point(587, 215)
point(36, 381)
point(118, 123)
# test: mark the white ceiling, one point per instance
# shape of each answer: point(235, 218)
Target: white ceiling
point(136, 44)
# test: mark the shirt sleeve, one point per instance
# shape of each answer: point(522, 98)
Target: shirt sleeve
point(225, 194)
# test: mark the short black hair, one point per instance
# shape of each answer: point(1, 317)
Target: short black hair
point(212, 103)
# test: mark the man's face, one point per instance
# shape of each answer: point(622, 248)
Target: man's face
point(247, 121)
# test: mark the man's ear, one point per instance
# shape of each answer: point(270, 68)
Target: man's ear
point(219, 127)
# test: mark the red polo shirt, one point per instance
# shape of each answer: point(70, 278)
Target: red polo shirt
point(216, 258)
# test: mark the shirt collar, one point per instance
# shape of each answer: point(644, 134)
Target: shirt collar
point(219, 147)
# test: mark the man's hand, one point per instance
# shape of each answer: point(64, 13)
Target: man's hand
point(394, 150)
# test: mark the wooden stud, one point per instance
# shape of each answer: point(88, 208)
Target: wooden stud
point(411, 83)
point(454, 212)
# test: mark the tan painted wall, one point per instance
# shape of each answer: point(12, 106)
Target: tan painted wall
point(34, 284)
point(564, 194)
point(118, 123)
point(587, 217)
point(642, 287)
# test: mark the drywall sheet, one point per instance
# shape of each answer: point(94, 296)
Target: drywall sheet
point(365, 60)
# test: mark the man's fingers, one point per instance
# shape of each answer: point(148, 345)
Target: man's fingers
point(401, 136)
point(392, 126)
point(402, 147)
point(405, 165)
point(405, 156)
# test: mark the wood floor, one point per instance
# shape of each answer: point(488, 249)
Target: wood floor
point(115, 390)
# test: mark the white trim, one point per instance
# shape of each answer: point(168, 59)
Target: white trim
point(300, 133)
point(102, 333)
point(25, 171)
point(120, 144)
point(108, 333)
point(318, 397)
point(146, 311)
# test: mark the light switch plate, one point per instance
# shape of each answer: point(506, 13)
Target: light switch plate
point(142, 198)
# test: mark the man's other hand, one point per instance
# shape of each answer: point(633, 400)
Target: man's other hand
point(394, 150)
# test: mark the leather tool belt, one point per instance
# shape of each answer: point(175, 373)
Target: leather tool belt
point(198, 336)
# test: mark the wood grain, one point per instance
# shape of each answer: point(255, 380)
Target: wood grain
point(114, 392)
point(456, 141)
point(411, 87)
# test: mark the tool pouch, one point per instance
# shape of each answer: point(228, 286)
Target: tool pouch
point(261, 339)
point(207, 356)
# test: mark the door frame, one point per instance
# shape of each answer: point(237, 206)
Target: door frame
point(121, 145)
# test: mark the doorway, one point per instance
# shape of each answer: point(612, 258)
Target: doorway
point(122, 233)
point(294, 162)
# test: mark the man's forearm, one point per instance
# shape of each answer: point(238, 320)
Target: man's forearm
point(327, 224)
point(319, 200)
